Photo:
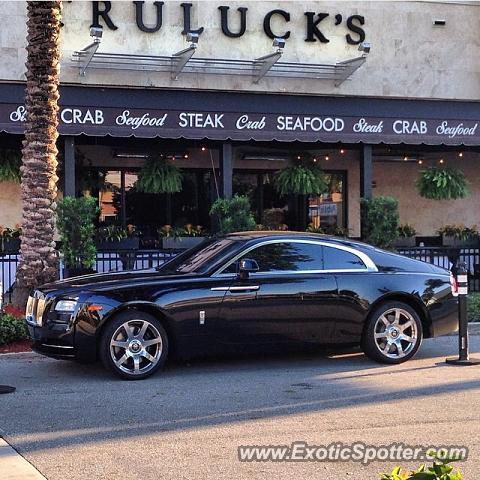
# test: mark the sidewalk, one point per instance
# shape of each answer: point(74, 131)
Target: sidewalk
point(14, 467)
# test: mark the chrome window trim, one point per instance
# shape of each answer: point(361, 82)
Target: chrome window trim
point(367, 261)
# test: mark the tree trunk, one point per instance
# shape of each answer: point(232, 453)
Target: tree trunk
point(38, 259)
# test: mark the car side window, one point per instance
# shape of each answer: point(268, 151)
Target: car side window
point(336, 259)
point(284, 256)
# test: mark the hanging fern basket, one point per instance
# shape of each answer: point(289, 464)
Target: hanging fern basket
point(442, 184)
point(159, 176)
point(10, 162)
point(301, 178)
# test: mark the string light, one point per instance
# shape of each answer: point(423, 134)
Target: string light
point(327, 158)
point(405, 158)
point(442, 161)
point(186, 155)
point(460, 154)
point(314, 159)
point(420, 162)
point(299, 157)
point(342, 151)
point(203, 149)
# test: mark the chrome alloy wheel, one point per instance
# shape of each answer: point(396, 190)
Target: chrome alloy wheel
point(136, 347)
point(395, 333)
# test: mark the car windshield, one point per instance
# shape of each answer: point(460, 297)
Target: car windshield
point(199, 259)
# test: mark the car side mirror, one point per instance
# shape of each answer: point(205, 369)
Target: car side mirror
point(247, 266)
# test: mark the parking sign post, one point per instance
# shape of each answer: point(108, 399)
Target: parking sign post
point(463, 353)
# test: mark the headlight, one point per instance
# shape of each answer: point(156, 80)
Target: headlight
point(67, 306)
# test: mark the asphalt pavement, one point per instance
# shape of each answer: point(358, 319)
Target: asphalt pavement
point(75, 421)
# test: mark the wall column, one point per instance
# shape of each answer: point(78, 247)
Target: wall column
point(226, 166)
point(366, 172)
point(69, 167)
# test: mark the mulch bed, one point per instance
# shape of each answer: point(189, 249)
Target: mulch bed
point(16, 347)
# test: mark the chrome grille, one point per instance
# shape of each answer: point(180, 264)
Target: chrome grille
point(35, 309)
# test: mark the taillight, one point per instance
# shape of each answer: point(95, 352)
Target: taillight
point(453, 285)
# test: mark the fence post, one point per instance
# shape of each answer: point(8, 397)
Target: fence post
point(463, 353)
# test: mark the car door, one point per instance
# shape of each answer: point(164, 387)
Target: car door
point(353, 271)
point(287, 300)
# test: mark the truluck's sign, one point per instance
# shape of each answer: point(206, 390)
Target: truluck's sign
point(223, 125)
point(103, 15)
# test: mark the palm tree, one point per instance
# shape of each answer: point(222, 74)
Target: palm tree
point(38, 259)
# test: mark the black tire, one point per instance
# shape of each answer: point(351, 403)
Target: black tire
point(385, 342)
point(134, 352)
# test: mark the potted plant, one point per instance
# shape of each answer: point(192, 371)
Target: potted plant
point(303, 177)
point(114, 238)
point(380, 221)
point(233, 214)
point(334, 230)
point(10, 239)
point(181, 238)
point(159, 176)
point(75, 223)
point(442, 183)
point(406, 236)
point(459, 236)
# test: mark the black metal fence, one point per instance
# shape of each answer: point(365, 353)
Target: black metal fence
point(447, 257)
point(111, 261)
point(114, 261)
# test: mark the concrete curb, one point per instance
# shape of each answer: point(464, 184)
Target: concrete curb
point(14, 467)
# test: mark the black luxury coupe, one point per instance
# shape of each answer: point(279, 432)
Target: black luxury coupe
point(249, 289)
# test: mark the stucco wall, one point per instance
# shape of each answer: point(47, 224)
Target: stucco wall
point(427, 216)
point(10, 204)
point(409, 58)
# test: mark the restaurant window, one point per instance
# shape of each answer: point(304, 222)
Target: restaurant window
point(121, 204)
point(328, 211)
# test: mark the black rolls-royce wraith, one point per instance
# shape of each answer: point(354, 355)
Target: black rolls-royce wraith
point(250, 289)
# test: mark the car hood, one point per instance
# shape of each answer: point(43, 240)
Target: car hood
point(110, 281)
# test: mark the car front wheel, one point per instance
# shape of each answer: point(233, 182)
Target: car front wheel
point(393, 333)
point(134, 345)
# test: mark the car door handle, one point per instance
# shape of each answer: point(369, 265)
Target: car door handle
point(242, 288)
point(235, 289)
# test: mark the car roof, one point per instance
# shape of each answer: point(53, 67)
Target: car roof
point(384, 260)
point(278, 234)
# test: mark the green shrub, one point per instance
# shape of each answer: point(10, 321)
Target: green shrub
point(233, 214)
point(473, 307)
point(12, 329)
point(75, 222)
point(380, 221)
point(441, 470)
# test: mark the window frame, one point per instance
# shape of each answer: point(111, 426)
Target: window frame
point(366, 260)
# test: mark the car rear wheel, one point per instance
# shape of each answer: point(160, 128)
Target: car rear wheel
point(393, 333)
point(134, 345)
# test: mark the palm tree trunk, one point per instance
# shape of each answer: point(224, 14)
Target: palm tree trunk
point(38, 259)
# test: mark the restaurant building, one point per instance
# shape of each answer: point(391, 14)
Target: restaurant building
point(231, 92)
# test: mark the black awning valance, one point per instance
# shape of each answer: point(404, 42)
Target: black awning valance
point(147, 113)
